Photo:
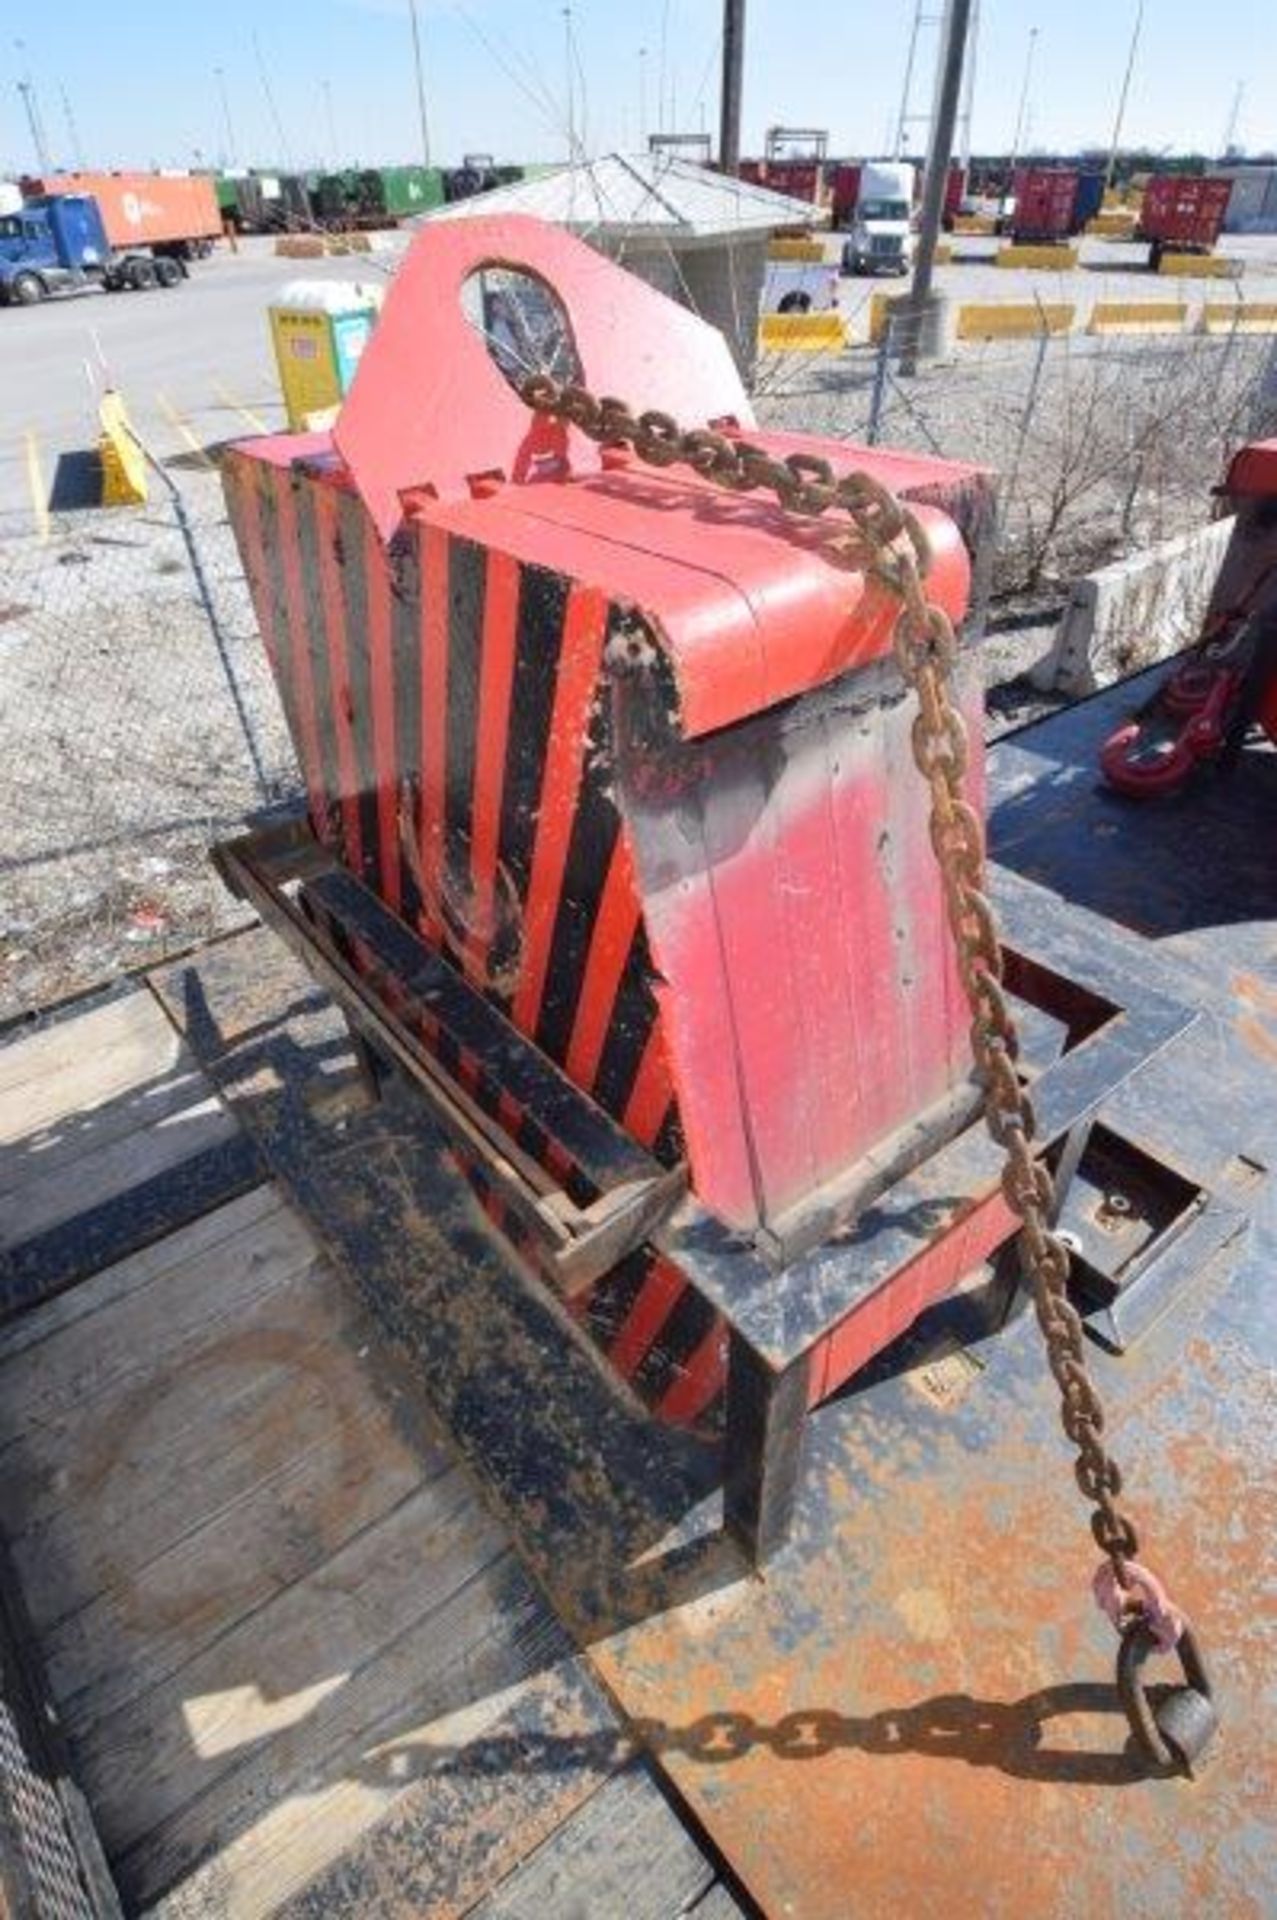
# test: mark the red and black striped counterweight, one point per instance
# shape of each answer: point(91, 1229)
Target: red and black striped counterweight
point(629, 756)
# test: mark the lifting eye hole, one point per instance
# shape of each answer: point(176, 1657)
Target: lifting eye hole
point(522, 322)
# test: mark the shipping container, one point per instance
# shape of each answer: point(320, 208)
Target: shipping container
point(398, 192)
point(955, 188)
point(800, 179)
point(142, 209)
point(1088, 200)
point(844, 188)
point(1252, 200)
point(1182, 214)
point(1044, 198)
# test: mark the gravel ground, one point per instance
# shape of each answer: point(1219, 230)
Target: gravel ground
point(127, 658)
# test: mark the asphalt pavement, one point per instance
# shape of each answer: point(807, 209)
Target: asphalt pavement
point(195, 364)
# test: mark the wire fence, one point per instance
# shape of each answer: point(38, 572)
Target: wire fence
point(1102, 444)
point(139, 721)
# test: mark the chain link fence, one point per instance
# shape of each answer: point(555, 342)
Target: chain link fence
point(139, 722)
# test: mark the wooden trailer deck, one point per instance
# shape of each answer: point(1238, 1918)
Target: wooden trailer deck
point(301, 1664)
point(295, 1659)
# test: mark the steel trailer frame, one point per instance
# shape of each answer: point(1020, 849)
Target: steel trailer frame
point(797, 1328)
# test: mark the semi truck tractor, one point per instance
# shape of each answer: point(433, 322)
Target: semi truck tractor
point(137, 232)
point(880, 239)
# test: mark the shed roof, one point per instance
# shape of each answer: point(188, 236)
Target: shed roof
point(660, 194)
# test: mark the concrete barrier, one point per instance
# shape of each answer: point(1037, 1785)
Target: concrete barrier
point(300, 246)
point(1200, 266)
point(1134, 613)
point(802, 333)
point(1114, 224)
point(124, 476)
point(1239, 316)
point(1014, 319)
point(1053, 259)
point(795, 249)
point(974, 223)
point(1138, 316)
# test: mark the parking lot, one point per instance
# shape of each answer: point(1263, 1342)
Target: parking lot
point(196, 368)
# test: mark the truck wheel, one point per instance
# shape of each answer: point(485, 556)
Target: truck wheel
point(141, 275)
point(168, 273)
point(795, 303)
point(27, 290)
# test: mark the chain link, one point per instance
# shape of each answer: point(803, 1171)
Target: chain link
point(894, 550)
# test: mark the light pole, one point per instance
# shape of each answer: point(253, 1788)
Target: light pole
point(1024, 98)
point(26, 87)
point(1121, 98)
point(421, 85)
point(219, 74)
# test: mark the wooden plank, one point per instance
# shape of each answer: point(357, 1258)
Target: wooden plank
point(70, 1183)
point(84, 1060)
point(281, 1680)
point(625, 1851)
point(288, 1476)
point(144, 1335)
point(100, 1293)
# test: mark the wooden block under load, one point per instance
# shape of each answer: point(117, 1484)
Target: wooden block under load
point(627, 751)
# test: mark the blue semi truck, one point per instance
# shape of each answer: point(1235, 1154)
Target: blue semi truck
point(55, 243)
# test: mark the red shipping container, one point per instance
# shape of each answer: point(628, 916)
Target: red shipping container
point(800, 179)
point(142, 209)
point(1184, 210)
point(844, 185)
point(1044, 199)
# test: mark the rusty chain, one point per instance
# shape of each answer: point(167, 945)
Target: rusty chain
point(894, 550)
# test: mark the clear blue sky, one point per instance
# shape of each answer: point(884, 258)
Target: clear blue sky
point(139, 75)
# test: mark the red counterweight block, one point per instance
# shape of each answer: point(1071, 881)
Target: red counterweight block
point(630, 752)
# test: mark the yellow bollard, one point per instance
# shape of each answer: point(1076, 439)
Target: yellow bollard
point(124, 482)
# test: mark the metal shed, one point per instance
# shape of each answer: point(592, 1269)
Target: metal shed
point(699, 236)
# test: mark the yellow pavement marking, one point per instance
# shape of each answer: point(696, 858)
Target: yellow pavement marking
point(228, 399)
point(180, 425)
point(35, 481)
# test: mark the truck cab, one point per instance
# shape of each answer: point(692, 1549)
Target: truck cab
point(880, 238)
point(50, 244)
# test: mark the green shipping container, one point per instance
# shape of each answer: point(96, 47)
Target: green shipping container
point(409, 190)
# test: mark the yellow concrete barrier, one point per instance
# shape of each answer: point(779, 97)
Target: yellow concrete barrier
point(802, 333)
point(974, 223)
point(300, 246)
point(1138, 316)
point(793, 249)
point(1114, 224)
point(1239, 316)
point(122, 460)
point(1200, 266)
point(1014, 320)
point(1058, 259)
point(944, 253)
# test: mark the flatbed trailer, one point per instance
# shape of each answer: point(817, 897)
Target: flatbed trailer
point(358, 1585)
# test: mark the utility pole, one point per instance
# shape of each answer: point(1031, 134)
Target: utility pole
point(1230, 131)
point(953, 43)
point(1121, 98)
point(26, 87)
point(219, 74)
point(733, 85)
point(421, 85)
